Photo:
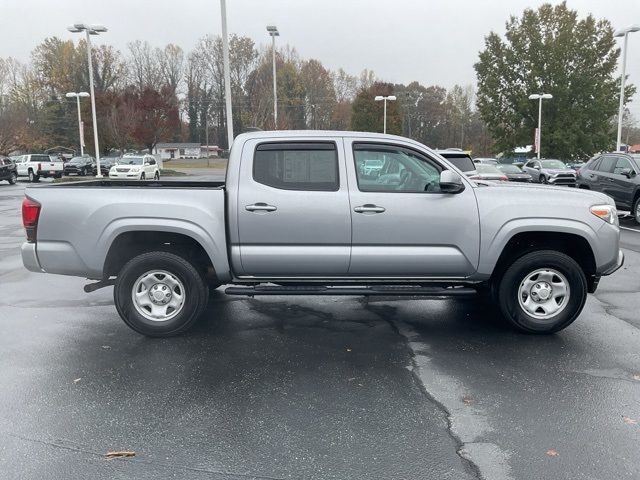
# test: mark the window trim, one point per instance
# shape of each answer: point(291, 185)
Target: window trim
point(605, 157)
point(295, 145)
point(393, 146)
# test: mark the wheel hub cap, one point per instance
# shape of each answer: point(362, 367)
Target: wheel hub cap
point(158, 295)
point(544, 293)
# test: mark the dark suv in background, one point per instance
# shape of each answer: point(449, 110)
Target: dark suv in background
point(80, 166)
point(615, 174)
point(8, 170)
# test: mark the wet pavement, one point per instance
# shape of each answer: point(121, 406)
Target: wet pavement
point(304, 387)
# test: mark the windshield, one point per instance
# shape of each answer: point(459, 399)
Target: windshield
point(78, 160)
point(484, 168)
point(509, 169)
point(462, 162)
point(553, 164)
point(131, 161)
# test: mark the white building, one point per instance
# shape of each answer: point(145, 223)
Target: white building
point(168, 151)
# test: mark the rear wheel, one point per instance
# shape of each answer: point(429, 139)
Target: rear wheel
point(636, 210)
point(542, 292)
point(156, 176)
point(33, 177)
point(13, 178)
point(160, 294)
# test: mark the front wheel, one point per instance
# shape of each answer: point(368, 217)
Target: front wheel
point(13, 178)
point(543, 179)
point(156, 177)
point(542, 292)
point(636, 210)
point(142, 176)
point(160, 294)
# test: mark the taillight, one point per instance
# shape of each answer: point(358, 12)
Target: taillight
point(30, 214)
point(504, 178)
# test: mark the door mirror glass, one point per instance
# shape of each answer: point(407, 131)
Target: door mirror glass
point(627, 172)
point(537, 167)
point(450, 182)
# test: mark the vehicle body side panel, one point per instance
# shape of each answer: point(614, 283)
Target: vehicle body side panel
point(84, 222)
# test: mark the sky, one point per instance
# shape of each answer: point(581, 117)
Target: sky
point(431, 41)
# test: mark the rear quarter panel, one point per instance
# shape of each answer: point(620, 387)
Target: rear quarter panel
point(78, 225)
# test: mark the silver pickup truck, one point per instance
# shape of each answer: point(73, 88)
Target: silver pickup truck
point(302, 214)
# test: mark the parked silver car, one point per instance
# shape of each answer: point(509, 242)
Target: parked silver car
point(550, 171)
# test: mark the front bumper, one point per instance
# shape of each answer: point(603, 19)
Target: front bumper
point(124, 175)
point(616, 266)
point(568, 181)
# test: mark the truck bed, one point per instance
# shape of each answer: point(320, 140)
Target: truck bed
point(136, 184)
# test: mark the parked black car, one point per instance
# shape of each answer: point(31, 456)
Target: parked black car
point(80, 166)
point(105, 165)
point(617, 175)
point(8, 170)
point(514, 173)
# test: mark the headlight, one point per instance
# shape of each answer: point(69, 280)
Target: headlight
point(134, 170)
point(608, 213)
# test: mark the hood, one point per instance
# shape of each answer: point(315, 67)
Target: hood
point(534, 189)
point(558, 170)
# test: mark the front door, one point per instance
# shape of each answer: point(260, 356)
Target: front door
point(403, 226)
point(293, 209)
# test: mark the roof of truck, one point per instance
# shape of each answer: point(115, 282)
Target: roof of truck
point(319, 133)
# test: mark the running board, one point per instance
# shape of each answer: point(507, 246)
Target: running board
point(368, 291)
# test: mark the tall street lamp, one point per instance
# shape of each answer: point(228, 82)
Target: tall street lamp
point(379, 98)
point(227, 73)
point(624, 32)
point(540, 97)
point(91, 30)
point(80, 129)
point(273, 31)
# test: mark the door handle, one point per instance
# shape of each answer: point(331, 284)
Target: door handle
point(261, 207)
point(369, 208)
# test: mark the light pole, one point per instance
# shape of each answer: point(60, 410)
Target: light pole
point(624, 32)
point(540, 97)
point(227, 73)
point(273, 31)
point(379, 98)
point(80, 130)
point(91, 30)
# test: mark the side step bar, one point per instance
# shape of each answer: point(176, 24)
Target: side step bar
point(368, 290)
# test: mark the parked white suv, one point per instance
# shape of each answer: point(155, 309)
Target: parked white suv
point(139, 167)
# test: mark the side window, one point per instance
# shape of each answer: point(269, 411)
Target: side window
point(607, 164)
point(386, 168)
point(152, 161)
point(297, 166)
point(594, 165)
point(622, 164)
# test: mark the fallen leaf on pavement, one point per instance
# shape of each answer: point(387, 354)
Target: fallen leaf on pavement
point(77, 380)
point(552, 452)
point(120, 453)
point(467, 400)
point(629, 421)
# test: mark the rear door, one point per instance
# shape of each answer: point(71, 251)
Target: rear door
point(403, 226)
point(605, 181)
point(293, 209)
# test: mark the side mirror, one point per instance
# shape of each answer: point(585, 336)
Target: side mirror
point(537, 167)
point(450, 182)
point(627, 172)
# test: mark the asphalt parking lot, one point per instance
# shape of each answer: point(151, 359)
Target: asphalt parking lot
point(313, 388)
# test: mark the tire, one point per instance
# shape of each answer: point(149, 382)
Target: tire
point(178, 275)
point(156, 176)
point(525, 309)
point(13, 178)
point(636, 210)
point(543, 180)
point(83, 172)
point(33, 177)
point(142, 176)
